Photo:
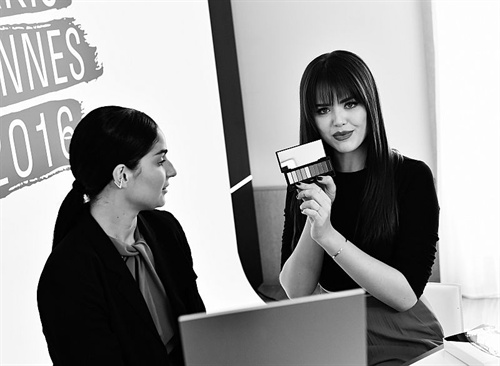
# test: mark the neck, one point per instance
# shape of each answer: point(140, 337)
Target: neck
point(113, 217)
point(350, 162)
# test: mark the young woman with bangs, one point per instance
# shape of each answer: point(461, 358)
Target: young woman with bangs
point(374, 225)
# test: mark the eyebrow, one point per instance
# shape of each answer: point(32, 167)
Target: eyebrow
point(162, 152)
point(346, 99)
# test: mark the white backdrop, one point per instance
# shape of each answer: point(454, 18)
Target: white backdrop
point(155, 56)
point(468, 92)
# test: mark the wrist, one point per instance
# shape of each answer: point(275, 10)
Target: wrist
point(332, 242)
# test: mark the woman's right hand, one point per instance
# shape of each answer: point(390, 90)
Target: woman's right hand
point(316, 205)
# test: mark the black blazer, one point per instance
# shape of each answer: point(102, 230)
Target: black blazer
point(91, 308)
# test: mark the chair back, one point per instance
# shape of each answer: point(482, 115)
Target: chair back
point(445, 301)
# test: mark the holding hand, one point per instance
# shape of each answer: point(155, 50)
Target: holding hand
point(328, 186)
point(317, 205)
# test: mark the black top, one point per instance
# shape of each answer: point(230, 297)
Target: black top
point(414, 248)
point(91, 308)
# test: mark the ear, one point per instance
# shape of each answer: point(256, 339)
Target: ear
point(119, 175)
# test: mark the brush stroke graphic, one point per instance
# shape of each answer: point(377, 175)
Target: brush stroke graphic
point(37, 59)
point(16, 7)
point(34, 143)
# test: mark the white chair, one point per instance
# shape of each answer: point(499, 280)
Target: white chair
point(445, 301)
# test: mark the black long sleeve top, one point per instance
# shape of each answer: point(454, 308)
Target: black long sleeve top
point(414, 248)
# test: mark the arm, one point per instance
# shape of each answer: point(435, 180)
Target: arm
point(300, 273)
point(414, 251)
point(74, 318)
point(381, 280)
point(193, 299)
point(176, 265)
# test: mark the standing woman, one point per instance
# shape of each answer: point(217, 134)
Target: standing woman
point(375, 225)
point(120, 272)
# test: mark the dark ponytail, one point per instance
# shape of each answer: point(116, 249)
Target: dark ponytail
point(104, 138)
point(69, 212)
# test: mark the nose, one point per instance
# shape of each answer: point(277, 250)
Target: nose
point(170, 170)
point(338, 118)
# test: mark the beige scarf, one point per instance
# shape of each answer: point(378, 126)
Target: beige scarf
point(139, 260)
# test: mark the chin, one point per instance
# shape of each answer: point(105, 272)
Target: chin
point(153, 205)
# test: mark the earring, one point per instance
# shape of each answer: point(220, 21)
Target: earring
point(119, 184)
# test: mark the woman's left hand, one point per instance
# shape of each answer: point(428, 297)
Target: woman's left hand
point(316, 206)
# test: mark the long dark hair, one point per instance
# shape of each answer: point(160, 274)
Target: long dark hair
point(104, 138)
point(336, 75)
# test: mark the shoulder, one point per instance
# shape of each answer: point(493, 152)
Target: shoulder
point(74, 259)
point(77, 243)
point(85, 249)
point(163, 226)
point(164, 234)
point(410, 170)
point(414, 181)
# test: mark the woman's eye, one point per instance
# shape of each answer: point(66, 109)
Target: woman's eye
point(322, 110)
point(351, 104)
point(161, 162)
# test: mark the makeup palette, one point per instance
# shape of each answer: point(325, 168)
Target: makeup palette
point(303, 163)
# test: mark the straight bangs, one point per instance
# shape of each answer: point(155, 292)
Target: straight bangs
point(336, 85)
point(325, 82)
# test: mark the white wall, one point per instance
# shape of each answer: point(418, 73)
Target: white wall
point(468, 91)
point(277, 39)
point(157, 56)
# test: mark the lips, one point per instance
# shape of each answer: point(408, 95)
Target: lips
point(342, 135)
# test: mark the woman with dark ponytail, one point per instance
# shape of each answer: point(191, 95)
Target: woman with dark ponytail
point(120, 272)
point(374, 225)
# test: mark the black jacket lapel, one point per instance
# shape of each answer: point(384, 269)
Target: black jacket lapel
point(119, 274)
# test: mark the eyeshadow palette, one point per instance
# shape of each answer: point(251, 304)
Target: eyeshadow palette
point(303, 163)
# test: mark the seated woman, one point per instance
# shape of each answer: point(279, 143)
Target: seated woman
point(375, 225)
point(120, 272)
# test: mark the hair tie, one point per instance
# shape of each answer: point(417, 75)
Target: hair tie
point(79, 190)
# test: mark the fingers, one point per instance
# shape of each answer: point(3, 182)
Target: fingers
point(316, 203)
point(310, 205)
point(328, 185)
point(326, 181)
point(304, 186)
point(318, 214)
point(313, 192)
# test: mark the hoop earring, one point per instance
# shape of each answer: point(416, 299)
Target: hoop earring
point(119, 184)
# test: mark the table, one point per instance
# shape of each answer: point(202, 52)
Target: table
point(434, 357)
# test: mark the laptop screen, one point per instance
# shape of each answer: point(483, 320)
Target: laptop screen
point(326, 329)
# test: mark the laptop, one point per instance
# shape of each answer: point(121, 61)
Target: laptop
point(325, 329)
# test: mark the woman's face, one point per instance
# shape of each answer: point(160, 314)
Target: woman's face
point(342, 125)
point(148, 185)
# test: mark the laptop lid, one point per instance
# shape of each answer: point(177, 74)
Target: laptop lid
point(326, 329)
